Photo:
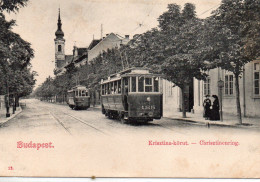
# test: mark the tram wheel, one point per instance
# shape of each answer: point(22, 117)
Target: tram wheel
point(122, 118)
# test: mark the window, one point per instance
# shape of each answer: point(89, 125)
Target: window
point(103, 89)
point(229, 87)
point(115, 87)
point(119, 86)
point(140, 84)
point(206, 86)
point(256, 78)
point(133, 87)
point(83, 93)
point(59, 48)
point(148, 85)
point(156, 84)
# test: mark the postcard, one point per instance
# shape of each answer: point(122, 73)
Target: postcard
point(139, 89)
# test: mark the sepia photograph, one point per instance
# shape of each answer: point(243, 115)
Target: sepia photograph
point(130, 88)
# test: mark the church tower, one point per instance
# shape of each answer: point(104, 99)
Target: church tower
point(59, 45)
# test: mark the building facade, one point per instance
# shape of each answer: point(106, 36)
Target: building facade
point(111, 40)
point(248, 86)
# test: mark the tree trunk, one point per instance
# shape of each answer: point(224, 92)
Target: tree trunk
point(17, 101)
point(239, 117)
point(183, 103)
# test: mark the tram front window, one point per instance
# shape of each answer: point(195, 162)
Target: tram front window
point(148, 85)
point(133, 84)
point(140, 84)
point(83, 93)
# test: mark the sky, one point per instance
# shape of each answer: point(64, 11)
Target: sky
point(82, 19)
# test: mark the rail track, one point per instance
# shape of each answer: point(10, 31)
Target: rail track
point(78, 120)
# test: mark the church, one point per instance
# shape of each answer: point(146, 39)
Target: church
point(82, 55)
point(61, 60)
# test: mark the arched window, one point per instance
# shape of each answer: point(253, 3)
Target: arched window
point(59, 48)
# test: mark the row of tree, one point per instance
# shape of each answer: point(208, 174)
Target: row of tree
point(16, 77)
point(181, 48)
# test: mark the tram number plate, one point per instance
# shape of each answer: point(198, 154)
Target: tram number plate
point(150, 107)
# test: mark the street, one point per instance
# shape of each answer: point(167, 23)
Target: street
point(86, 143)
point(42, 117)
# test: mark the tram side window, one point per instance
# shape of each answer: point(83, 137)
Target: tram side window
point(156, 84)
point(140, 84)
point(115, 87)
point(119, 86)
point(148, 85)
point(111, 88)
point(106, 89)
point(103, 89)
point(133, 84)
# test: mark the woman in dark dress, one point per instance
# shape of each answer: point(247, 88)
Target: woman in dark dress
point(206, 105)
point(214, 115)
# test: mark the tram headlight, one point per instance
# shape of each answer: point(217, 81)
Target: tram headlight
point(148, 99)
point(150, 114)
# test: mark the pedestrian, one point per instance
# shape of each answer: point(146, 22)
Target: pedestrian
point(206, 105)
point(214, 114)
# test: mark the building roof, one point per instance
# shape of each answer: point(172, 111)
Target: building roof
point(93, 43)
point(59, 33)
point(68, 58)
point(81, 51)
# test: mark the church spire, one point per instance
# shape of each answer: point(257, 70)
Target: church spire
point(59, 33)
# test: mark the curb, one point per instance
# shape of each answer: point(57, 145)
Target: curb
point(208, 124)
point(12, 116)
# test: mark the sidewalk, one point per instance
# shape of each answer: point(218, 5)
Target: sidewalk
point(3, 117)
point(229, 120)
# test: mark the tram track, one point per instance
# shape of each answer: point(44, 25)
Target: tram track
point(84, 122)
point(77, 119)
point(60, 122)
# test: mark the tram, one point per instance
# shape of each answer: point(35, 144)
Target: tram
point(78, 98)
point(133, 95)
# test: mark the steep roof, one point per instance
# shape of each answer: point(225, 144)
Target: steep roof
point(93, 43)
point(81, 51)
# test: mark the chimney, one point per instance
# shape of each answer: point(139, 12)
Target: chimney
point(127, 36)
point(107, 34)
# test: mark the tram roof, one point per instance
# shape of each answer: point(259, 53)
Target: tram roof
point(79, 87)
point(129, 72)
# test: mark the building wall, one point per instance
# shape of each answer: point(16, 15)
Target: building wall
point(171, 98)
point(109, 42)
point(248, 101)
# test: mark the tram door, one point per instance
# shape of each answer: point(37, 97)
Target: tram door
point(125, 90)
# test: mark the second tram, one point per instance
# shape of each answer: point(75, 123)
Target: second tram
point(133, 95)
point(78, 98)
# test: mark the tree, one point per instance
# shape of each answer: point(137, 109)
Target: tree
point(180, 32)
point(15, 55)
point(183, 66)
point(232, 34)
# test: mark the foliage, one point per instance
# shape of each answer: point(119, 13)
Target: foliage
point(16, 76)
